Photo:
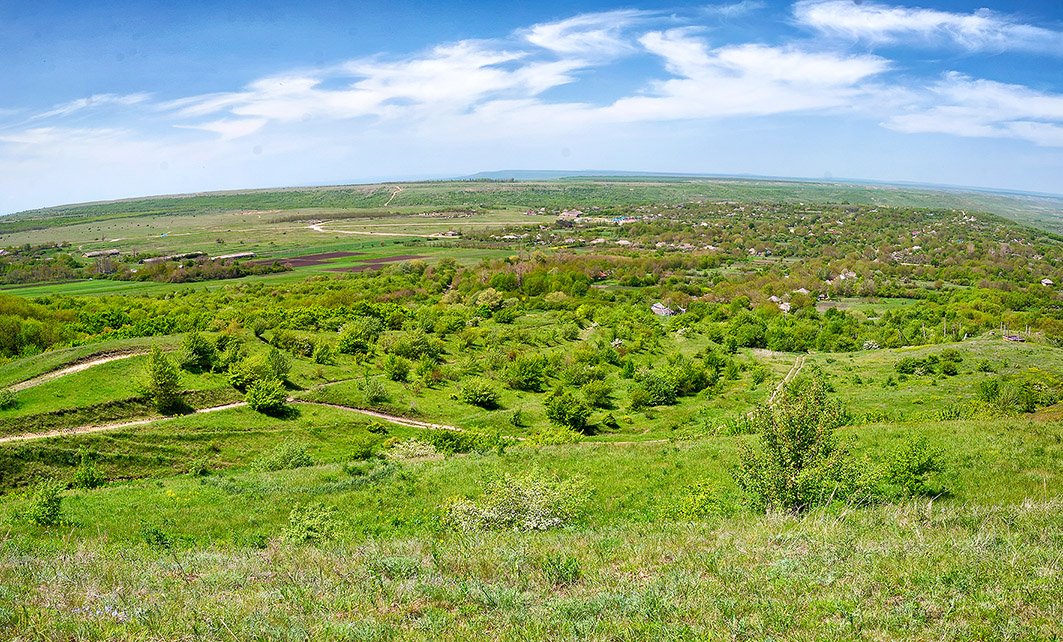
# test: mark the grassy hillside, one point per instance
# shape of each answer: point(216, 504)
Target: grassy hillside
point(442, 417)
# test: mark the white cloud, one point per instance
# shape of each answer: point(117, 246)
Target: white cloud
point(586, 35)
point(983, 30)
point(59, 135)
point(743, 80)
point(448, 79)
point(230, 128)
point(94, 101)
point(964, 106)
point(733, 10)
point(470, 104)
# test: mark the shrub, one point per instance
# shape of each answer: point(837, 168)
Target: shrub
point(599, 394)
point(529, 502)
point(581, 373)
point(324, 354)
point(374, 391)
point(247, 371)
point(798, 463)
point(951, 355)
point(479, 392)
point(552, 435)
point(312, 524)
point(163, 381)
point(396, 368)
point(910, 470)
point(653, 390)
point(155, 537)
point(8, 399)
point(699, 501)
point(428, 371)
point(267, 396)
point(359, 335)
point(46, 504)
point(566, 409)
point(411, 449)
point(283, 457)
point(279, 364)
point(197, 354)
point(232, 354)
point(907, 365)
point(287, 340)
point(415, 345)
point(86, 475)
point(527, 372)
point(507, 314)
point(452, 441)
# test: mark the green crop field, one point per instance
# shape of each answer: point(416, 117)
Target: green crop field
point(693, 409)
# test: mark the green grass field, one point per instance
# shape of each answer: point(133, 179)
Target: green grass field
point(412, 392)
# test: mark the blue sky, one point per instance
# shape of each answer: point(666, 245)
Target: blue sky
point(115, 99)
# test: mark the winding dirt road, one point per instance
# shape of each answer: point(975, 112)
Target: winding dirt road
point(71, 369)
point(84, 430)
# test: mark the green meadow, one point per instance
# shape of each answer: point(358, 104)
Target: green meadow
point(701, 410)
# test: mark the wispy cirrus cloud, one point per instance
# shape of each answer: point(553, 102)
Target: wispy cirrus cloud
point(95, 101)
point(982, 30)
point(447, 78)
point(590, 35)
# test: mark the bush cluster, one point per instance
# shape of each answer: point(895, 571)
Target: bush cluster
point(799, 464)
point(285, 456)
point(945, 363)
point(267, 396)
point(564, 408)
point(479, 392)
point(315, 523)
point(528, 502)
point(8, 399)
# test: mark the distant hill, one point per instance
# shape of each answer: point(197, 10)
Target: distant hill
point(554, 188)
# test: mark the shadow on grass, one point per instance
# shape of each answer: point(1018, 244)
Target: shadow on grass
point(286, 412)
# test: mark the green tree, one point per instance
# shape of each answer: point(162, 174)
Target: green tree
point(197, 353)
point(267, 396)
point(798, 463)
point(279, 364)
point(397, 368)
point(567, 409)
point(163, 381)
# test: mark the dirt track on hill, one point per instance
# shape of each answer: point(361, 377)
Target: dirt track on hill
point(794, 371)
point(71, 369)
point(84, 430)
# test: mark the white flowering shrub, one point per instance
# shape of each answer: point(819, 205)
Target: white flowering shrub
point(411, 449)
point(529, 502)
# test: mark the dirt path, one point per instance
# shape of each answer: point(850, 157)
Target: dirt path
point(76, 367)
point(317, 227)
point(794, 371)
point(395, 419)
point(393, 195)
point(84, 430)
